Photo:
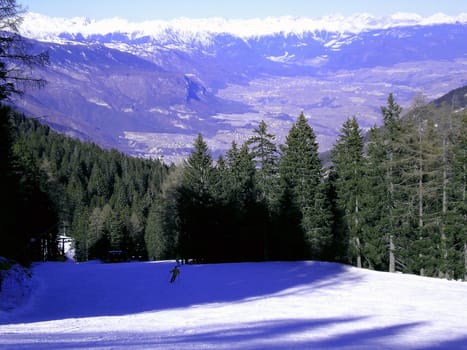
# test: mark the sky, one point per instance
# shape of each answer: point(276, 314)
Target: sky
point(141, 10)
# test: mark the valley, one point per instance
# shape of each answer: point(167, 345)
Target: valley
point(149, 92)
point(327, 100)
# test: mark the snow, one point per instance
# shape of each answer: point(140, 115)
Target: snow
point(15, 285)
point(273, 305)
point(284, 58)
point(99, 102)
point(40, 27)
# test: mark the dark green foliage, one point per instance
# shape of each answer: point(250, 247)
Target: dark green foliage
point(163, 223)
point(389, 165)
point(220, 216)
point(411, 219)
point(8, 183)
point(198, 172)
point(195, 204)
point(375, 206)
point(98, 237)
point(246, 211)
point(300, 165)
point(287, 241)
point(456, 208)
point(154, 235)
point(236, 211)
point(349, 166)
point(28, 216)
point(338, 247)
point(102, 198)
point(266, 156)
point(300, 172)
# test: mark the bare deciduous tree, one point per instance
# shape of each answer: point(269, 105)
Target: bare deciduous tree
point(17, 59)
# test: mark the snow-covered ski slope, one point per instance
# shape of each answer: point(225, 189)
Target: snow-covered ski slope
point(275, 305)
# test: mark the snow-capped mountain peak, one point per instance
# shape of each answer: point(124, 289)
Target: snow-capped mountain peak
point(40, 27)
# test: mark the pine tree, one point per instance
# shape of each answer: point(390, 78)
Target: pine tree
point(79, 231)
point(8, 184)
point(162, 231)
point(376, 228)
point(457, 209)
point(446, 139)
point(36, 236)
point(338, 248)
point(266, 156)
point(220, 183)
point(230, 174)
point(300, 170)
point(452, 128)
point(407, 173)
point(98, 238)
point(254, 218)
point(136, 237)
point(287, 240)
point(228, 206)
point(195, 204)
point(421, 186)
point(97, 184)
point(14, 57)
point(240, 175)
point(118, 229)
point(155, 232)
point(392, 155)
point(198, 169)
point(349, 165)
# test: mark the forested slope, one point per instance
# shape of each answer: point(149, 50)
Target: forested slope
point(391, 200)
point(58, 184)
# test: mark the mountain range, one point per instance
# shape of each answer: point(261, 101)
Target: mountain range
point(149, 88)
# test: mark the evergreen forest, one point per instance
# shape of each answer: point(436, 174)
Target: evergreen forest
point(392, 198)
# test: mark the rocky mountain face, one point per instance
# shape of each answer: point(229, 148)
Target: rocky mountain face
point(150, 95)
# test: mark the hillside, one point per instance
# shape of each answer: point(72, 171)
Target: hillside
point(455, 99)
point(276, 305)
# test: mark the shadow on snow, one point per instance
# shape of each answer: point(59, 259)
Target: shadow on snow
point(67, 290)
point(271, 335)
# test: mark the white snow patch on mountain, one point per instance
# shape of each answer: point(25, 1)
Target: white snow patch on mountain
point(99, 102)
point(253, 306)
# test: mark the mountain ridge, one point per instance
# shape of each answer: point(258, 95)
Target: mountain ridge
point(52, 27)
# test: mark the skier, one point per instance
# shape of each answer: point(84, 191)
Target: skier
point(175, 272)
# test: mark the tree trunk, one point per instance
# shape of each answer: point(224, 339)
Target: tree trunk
point(465, 261)
point(359, 255)
point(420, 180)
point(357, 239)
point(420, 193)
point(444, 250)
point(465, 244)
point(392, 259)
